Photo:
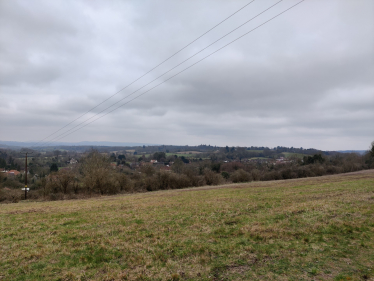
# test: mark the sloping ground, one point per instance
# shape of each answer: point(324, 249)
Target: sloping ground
point(302, 229)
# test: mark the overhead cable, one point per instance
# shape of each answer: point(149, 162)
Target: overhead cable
point(137, 79)
point(65, 135)
point(198, 52)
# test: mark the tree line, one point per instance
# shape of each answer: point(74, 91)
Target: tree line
point(94, 175)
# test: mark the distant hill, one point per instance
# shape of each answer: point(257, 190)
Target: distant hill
point(87, 144)
point(361, 152)
point(9, 144)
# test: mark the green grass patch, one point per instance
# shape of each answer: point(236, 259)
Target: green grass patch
point(292, 154)
point(254, 158)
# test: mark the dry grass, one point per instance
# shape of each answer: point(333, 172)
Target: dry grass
point(303, 229)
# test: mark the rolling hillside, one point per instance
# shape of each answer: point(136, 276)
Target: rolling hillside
point(302, 229)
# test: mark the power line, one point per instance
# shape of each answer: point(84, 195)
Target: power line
point(147, 71)
point(168, 70)
point(184, 69)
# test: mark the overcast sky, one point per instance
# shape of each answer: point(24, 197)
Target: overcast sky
point(305, 79)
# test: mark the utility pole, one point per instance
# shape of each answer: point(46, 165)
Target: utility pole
point(26, 173)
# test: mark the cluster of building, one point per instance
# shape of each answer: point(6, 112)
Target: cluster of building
point(15, 173)
point(72, 161)
point(12, 173)
point(135, 165)
point(282, 160)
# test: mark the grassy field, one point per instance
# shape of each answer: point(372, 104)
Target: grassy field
point(304, 229)
point(291, 154)
point(187, 155)
point(179, 154)
point(189, 152)
point(259, 158)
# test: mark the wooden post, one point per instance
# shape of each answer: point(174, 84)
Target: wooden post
point(26, 174)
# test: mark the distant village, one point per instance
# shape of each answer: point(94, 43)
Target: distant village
point(67, 172)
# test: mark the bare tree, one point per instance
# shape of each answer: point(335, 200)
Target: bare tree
point(64, 178)
point(124, 182)
point(44, 186)
point(97, 175)
point(148, 170)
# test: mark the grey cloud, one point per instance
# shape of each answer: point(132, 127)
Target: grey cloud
point(304, 79)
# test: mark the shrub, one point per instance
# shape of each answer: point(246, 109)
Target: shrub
point(148, 170)
point(163, 179)
point(211, 178)
point(331, 170)
point(13, 183)
point(51, 185)
point(225, 175)
point(318, 170)
point(288, 173)
point(178, 181)
point(2, 195)
point(256, 175)
point(272, 175)
point(123, 182)
point(192, 172)
point(11, 195)
point(97, 174)
point(317, 158)
point(111, 187)
point(35, 194)
point(56, 196)
point(304, 172)
point(216, 167)
point(232, 167)
point(241, 176)
point(151, 184)
point(166, 180)
point(76, 187)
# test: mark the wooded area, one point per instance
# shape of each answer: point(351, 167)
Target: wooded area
point(64, 174)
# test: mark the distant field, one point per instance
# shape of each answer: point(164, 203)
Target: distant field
point(286, 154)
point(259, 158)
point(302, 229)
point(189, 152)
point(184, 153)
point(292, 154)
